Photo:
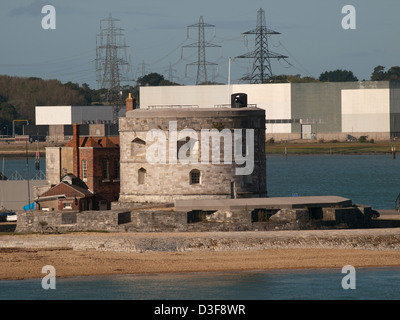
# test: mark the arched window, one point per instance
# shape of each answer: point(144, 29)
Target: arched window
point(194, 176)
point(142, 173)
point(138, 147)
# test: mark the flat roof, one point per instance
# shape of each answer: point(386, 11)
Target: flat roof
point(261, 203)
point(193, 112)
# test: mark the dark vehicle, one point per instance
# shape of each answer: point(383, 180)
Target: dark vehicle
point(350, 138)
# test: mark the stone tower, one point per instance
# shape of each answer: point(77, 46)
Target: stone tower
point(192, 153)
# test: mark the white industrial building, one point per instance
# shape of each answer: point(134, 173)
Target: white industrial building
point(68, 115)
point(54, 123)
point(321, 110)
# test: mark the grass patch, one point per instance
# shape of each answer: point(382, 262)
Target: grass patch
point(331, 148)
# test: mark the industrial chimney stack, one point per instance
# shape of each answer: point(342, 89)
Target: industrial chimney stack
point(76, 150)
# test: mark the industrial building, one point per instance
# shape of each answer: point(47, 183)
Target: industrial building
point(54, 123)
point(68, 115)
point(319, 110)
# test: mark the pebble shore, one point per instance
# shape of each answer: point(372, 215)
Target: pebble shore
point(372, 239)
point(84, 254)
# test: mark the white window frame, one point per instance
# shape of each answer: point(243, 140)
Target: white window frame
point(84, 170)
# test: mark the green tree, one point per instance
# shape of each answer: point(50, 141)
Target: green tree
point(337, 76)
point(2, 99)
point(379, 74)
point(283, 78)
point(8, 111)
point(394, 73)
point(151, 79)
point(168, 83)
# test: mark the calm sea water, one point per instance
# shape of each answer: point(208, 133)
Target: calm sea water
point(370, 283)
point(12, 165)
point(366, 179)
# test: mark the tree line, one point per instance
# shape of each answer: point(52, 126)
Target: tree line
point(19, 96)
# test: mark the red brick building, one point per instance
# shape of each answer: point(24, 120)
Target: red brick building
point(93, 165)
point(69, 194)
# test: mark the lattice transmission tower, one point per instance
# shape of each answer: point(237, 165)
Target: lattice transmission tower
point(201, 46)
point(111, 61)
point(261, 70)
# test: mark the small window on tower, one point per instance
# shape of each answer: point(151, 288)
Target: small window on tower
point(142, 173)
point(195, 176)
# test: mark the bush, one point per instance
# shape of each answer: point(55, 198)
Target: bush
point(362, 139)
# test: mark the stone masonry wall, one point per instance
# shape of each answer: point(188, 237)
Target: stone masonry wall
point(168, 220)
point(165, 182)
point(61, 221)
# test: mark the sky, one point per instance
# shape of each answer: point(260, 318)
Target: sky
point(311, 36)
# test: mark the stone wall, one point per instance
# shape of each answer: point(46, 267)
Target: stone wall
point(350, 216)
point(61, 221)
point(168, 220)
point(143, 180)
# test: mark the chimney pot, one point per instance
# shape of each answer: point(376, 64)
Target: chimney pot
point(130, 103)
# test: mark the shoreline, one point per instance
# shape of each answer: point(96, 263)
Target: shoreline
point(297, 147)
point(99, 254)
point(184, 264)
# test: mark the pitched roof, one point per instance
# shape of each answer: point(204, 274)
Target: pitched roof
point(69, 190)
point(96, 142)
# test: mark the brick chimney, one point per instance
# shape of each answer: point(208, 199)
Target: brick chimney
point(75, 139)
point(130, 103)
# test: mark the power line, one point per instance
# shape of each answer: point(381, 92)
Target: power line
point(201, 46)
point(262, 70)
point(111, 61)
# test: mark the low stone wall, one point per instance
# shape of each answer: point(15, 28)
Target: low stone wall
point(60, 221)
point(168, 220)
point(351, 216)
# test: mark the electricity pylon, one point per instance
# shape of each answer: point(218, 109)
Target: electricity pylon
point(261, 71)
point(201, 46)
point(111, 63)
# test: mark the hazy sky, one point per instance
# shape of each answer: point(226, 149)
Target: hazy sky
point(311, 35)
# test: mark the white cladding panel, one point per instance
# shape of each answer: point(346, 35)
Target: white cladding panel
point(366, 110)
point(53, 115)
point(274, 98)
point(67, 115)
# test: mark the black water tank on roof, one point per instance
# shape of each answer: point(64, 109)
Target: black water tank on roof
point(239, 100)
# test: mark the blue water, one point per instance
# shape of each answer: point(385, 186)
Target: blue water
point(326, 284)
point(366, 179)
point(18, 164)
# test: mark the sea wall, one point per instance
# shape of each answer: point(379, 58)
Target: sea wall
point(169, 220)
point(372, 239)
point(61, 221)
